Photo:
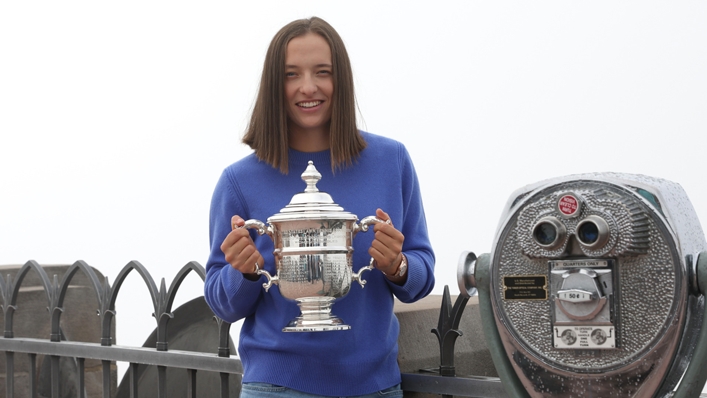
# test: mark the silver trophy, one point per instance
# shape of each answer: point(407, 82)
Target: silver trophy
point(313, 254)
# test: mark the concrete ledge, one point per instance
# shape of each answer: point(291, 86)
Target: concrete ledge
point(419, 350)
point(419, 347)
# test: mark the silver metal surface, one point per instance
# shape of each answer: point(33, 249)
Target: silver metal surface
point(619, 318)
point(465, 274)
point(313, 239)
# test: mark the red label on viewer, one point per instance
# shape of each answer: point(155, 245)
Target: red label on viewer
point(568, 205)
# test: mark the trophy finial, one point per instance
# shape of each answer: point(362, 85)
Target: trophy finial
point(311, 176)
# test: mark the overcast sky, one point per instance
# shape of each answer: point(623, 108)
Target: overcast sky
point(117, 118)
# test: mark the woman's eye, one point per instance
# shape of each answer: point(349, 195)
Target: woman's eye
point(324, 72)
point(290, 74)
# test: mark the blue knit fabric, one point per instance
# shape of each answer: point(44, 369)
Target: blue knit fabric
point(336, 363)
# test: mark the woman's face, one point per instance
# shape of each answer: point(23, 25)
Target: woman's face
point(309, 84)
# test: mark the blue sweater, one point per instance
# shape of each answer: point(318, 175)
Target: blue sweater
point(336, 363)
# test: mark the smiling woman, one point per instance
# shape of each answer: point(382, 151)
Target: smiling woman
point(305, 114)
point(268, 132)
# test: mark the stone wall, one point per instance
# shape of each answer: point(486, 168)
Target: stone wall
point(79, 322)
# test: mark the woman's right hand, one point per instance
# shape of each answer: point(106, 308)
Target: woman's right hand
point(240, 250)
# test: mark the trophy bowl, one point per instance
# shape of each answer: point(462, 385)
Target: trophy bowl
point(313, 254)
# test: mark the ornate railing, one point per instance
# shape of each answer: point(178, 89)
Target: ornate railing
point(441, 380)
point(105, 351)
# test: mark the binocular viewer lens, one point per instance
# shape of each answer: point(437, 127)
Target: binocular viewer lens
point(588, 233)
point(592, 232)
point(545, 233)
point(549, 233)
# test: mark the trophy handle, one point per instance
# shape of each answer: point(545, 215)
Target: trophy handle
point(262, 230)
point(357, 276)
point(272, 280)
point(365, 222)
point(259, 226)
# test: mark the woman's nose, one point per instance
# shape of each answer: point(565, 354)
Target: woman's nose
point(309, 86)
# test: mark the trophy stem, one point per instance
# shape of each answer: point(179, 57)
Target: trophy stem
point(315, 316)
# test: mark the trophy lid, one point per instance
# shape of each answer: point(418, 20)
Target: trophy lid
point(312, 203)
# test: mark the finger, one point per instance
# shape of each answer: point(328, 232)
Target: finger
point(238, 248)
point(253, 263)
point(383, 216)
point(233, 237)
point(382, 262)
point(246, 260)
point(237, 221)
point(389, 242)
point(385, 227)
point(237, 254)
point(386, 254)
point(390, 237)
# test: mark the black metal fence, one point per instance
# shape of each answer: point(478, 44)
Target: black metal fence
point(105, 351)
point(440, 381)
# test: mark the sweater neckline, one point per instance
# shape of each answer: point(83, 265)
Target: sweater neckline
point(299, 160)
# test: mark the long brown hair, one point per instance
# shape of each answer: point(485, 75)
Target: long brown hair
point(267, 130)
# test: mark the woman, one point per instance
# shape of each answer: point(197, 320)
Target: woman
point(305, 110)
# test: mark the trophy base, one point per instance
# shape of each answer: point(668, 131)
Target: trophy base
point(316, 316)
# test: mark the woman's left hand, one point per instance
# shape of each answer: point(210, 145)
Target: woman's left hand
point(387, 246)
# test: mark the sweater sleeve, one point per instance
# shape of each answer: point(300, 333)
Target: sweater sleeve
point(228, 293)
point(416, 247)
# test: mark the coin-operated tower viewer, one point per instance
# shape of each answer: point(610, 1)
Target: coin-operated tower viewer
point(595, 288)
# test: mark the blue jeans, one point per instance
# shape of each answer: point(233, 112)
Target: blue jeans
point(266, 390)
